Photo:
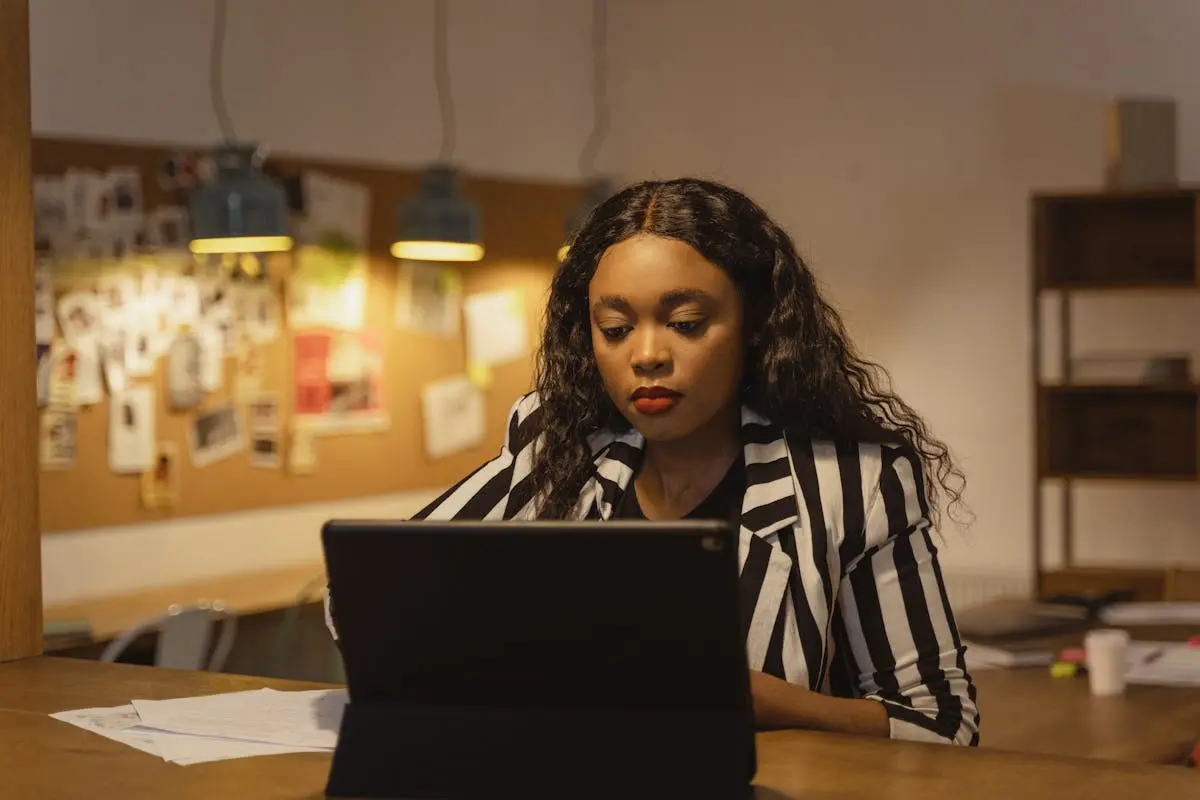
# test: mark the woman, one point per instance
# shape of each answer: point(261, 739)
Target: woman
point(690, 369)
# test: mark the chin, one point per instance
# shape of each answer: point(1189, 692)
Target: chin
point(663, 428)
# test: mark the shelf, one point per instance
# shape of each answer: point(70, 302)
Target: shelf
point(1116, 240)
point(1119, 432)
point(1147, 584)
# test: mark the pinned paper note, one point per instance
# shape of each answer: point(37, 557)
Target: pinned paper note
point(428, 298)
point(215, 434)
point(302, 452)
point(496, 327)
point(480, 375)
point(160, 483)
point(454, 415)
point(131, 430)
point(58, 437)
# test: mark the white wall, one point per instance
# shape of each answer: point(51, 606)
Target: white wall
point(898, 142)
point(329, 78)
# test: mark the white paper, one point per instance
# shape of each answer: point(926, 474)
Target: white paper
point(212, 358)
point(79, 316)
point(294, 719)
point(112, 353)
point(428, 298)
point(45, 359)
point(131, 430)
point(454, 415)
point(140, 349)
point(181, 299)
point(117, 292)
point(1179, 613)
point(322, 302)
point(1163, 664)
point(123, 724)
point(185, 360)
point(43, 304)
point(215, 435)
point(496, 329)
point(89, 385)
point(260, 314)
point(337, 212)
point(51, 215)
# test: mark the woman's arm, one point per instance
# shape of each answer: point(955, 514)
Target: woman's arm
point(779, 704)
point(896, 627)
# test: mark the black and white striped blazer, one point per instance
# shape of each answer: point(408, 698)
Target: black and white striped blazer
point(840, 581)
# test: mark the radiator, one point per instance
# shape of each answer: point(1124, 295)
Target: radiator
point(969, 588)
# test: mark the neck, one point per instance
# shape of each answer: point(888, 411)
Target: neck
point(678, 475)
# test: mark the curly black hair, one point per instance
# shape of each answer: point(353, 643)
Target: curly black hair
point(801, 370)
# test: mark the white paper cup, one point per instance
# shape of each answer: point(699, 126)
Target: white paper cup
point(1106, 655)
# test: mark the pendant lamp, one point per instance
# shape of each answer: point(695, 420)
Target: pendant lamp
point(598, 191)
point(242, 210)
point(439, 223)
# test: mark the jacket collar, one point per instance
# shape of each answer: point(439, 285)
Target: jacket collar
point(769, 502)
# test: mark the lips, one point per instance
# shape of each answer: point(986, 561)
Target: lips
point(652, 400)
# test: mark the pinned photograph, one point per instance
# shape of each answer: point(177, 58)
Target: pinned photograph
point(113, 351)
point(82, 189)
point(429, 299)
point(43, 293)
point(44, 364)
point(89, 385)
point(63, 369)
point(181, 299)
point(140, 351)
point(258, 312)
point(117, 292)
point(160, 483)
point(58, 438)
point(51, 216)
point(249, 371)
point(185, 362)
point(264, 450)
point(212, 358)
point(263, 411)
point(125, 192)
point(215, 435)
point(79, 316)
point(302, 453)
point(131, 430)
point(167, 228)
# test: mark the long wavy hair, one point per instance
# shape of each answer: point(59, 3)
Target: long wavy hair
point(800, 369)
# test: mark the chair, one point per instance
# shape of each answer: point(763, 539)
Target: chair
point(184, 637)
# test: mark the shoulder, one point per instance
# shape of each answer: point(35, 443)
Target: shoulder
point(523, 422)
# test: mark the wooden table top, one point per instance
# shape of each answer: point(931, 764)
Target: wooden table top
point(1029, 711)
point(41, 757)
point(242, 593)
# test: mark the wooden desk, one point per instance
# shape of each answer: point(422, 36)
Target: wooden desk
point(243, 593)
point(1029, 711)
point(44, 758)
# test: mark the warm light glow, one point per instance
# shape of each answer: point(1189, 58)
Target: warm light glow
point(242, 244)
point(562, 252)
point(437, 251)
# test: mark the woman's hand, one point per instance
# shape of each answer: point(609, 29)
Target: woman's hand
point(779, 704)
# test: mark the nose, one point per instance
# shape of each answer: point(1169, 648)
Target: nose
point(651, 357)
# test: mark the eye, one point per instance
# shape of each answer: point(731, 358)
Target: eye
point(687, 327)
point(615, 333)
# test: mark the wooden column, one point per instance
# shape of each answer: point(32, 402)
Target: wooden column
point(20, 543)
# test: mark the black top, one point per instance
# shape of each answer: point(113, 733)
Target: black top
point(724, 502)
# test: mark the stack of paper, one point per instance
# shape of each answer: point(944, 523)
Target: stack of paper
point(193, 730)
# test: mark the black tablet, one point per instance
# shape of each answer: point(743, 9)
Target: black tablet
point(553, 647)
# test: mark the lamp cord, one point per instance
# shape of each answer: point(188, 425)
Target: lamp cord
point(216, 78)
point(600, 113)
point(441, 76)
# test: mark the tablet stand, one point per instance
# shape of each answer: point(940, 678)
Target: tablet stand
point(415, 751)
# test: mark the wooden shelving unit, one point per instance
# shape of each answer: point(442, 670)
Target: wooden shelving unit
point(1111, 242)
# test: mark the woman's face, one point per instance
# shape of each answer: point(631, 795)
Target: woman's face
point(667, 334)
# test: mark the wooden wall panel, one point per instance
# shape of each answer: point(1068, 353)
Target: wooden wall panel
point(523, 225)
point(20, 544)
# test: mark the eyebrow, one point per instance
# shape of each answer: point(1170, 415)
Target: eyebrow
point(669, 300)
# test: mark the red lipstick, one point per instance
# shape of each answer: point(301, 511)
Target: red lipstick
point(652, 400)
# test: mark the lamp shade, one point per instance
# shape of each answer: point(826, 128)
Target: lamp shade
point(438, 223)
point(597, 192)
point(242, 210)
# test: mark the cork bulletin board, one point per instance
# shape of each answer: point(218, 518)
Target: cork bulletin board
point(523, 224)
